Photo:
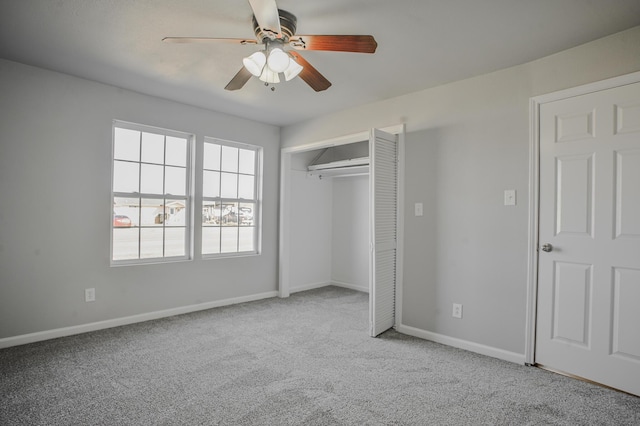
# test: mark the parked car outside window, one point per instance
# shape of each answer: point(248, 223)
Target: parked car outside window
point(121, 221)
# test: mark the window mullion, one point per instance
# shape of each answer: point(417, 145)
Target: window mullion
point(140, 199)
point(164, 193)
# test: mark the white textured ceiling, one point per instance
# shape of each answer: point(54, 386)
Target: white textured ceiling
point(421, 44)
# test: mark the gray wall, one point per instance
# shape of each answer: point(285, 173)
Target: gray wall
point(55, 207)
point(350, 232)
point(309, 230)
point(329, 233)
point(467, 142)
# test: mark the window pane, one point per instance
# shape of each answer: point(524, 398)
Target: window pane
point(210, 213)
point(210, 240)
point(229, 238)
point(212, 156)
point(211, 184)
point(246, 186)
point(229, 159)
point(229, 214)
point(150, 242)
point(152, 148)
point(175, 180)
point(125, 177)
point(229, 185)
point(176, 151)
point(152, 212)
point(125, 243)
point(245, 214)
point(246, 238)
point(247, 161)
point(229, 176)
point(174, 242)
point(151, 179)
point(175, 213)
point(154, 225)
point(126, 144)
point(126, 212)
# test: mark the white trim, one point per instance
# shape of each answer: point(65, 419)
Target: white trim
point(285, 220)
point(400, 226)
point(311, 286)
point(462, 344)
point(534, 191)
point(343, 140)
point(314, 286)
point(532, 252)
point(117, 322)
point(341, 172)
point(364, 289)
point(364, 161)
point(597, 86)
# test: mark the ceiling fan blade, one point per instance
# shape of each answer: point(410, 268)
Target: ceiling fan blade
point(335, 43)
point(311, 75)
point(239, 80)
point(266, 13)
point(242, 41)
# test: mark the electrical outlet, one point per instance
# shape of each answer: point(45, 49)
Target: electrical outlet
point(457, 310)
point(89, 294)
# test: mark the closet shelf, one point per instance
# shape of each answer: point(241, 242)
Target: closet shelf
point(351, 167)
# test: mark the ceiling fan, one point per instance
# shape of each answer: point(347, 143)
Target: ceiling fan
point(275, 30)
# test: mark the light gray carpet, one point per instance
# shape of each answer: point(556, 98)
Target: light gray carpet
point(306, 360)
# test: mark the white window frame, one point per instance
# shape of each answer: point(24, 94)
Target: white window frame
point(188, 198)
point(256, 200)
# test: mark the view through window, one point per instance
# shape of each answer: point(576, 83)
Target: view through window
point(230, 202)
point(151, 194)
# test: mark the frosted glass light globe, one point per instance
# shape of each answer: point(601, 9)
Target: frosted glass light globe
point(278, 61)
point(292, 70)
point(268, 76)
point(255, 63)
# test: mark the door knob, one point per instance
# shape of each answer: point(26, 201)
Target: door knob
point(547, 247)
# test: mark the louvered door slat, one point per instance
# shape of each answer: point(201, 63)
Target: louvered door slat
point(383, 194)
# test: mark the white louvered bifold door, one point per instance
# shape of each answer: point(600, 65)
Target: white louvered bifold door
point(383, 187)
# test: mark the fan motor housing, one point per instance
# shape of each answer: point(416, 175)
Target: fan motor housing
point(288, 23)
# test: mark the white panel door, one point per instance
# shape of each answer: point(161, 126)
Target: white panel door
point(588, 319)
point(383, 196)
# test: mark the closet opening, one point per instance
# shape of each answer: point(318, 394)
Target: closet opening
point(330, 193)
point(329, 227)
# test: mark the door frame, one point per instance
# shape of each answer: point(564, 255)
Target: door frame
point(534, 193)
point(285, 206)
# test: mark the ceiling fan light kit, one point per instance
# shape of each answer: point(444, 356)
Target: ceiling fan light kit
point(255, 63)
point(278, 61)
point(275, 29)
point(269, 76)
point(292, 70)
point(267, 68)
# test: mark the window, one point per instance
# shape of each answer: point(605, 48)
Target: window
point(151, 194)
point(230, 198)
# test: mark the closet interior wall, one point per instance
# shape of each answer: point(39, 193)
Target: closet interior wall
point(329, 227)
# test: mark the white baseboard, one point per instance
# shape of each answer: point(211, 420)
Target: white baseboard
point(100, 325)
point(309, 287)
point(326, 284)
point(462, 344)
point(351, 286)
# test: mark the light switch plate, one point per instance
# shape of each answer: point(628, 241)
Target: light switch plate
point(89, 294)
point(510, 197)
